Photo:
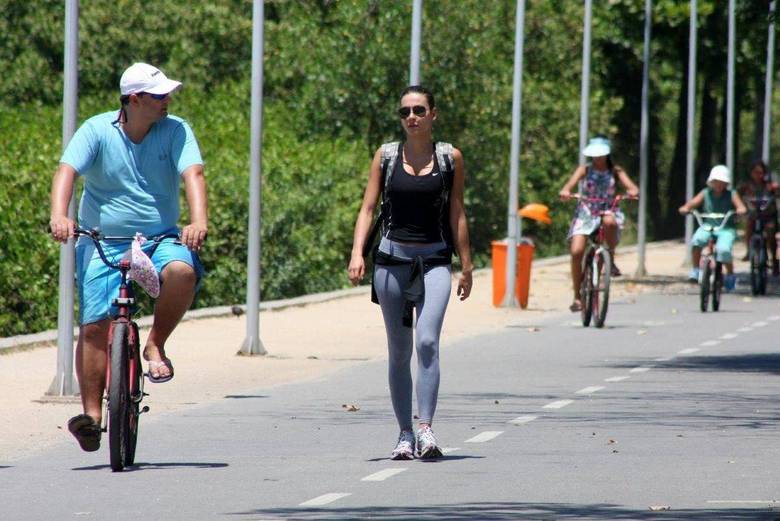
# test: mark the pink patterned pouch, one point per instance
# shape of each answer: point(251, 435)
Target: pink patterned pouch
point(142, 269)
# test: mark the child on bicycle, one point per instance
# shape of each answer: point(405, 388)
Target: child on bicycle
point(598, 179)
point(716, 198)
point(760, 186)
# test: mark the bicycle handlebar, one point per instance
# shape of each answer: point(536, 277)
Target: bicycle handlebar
point(722, 216)
point(96, 238)
point(613, 201)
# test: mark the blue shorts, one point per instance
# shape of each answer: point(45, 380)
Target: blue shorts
point(724, 242)
point(99, 285)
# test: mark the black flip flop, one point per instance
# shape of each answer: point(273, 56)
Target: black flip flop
point(86, 431)
point(159, 379)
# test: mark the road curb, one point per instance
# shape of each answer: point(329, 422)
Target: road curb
point(49, 338)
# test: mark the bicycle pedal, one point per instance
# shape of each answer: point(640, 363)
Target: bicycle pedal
point(144, 409)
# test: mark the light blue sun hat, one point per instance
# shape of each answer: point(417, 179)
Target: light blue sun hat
point(597, 147)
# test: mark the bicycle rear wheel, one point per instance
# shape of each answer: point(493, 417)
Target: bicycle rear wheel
point(763, 269)
point(755, 266)
point(717, 286)
point(704, 285)
point(601, 288)
point(119, 398)
point(586, 289)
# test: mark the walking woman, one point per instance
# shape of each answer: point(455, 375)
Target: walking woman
point(422, 222)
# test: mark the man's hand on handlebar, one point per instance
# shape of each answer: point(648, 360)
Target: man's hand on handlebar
point(61, 228)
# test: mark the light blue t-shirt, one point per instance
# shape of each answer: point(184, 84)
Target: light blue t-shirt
point(131, 187)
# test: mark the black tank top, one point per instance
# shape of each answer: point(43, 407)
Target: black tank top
point(417, 205)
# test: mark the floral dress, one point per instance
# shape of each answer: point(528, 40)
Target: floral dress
point(599, 184)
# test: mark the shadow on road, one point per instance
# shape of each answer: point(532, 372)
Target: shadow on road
point(768, 363)
point(506, 510)
point(159, 466)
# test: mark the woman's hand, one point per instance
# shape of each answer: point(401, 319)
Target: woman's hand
point(683, 210)
point(564, 194)
point(464, 284)
point(356, 269)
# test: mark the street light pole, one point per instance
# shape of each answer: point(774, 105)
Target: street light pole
point(510, 300)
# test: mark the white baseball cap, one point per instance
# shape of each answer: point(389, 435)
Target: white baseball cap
point(597, 147)
point(719, 173)
point(142, 77)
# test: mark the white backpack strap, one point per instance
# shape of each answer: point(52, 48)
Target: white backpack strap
point(444, 157)
point(389, 158)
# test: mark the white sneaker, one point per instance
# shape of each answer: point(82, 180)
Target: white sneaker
point(405, 447)
point(427, 446)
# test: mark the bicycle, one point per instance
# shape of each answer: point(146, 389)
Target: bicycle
point(124, 373)
point(710, 269)
point(757, 249)
point(597, 265)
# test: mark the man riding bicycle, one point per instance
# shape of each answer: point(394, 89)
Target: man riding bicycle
point(716, 198)
point(132, 162)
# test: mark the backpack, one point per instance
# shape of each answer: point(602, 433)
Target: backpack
point(390, 153)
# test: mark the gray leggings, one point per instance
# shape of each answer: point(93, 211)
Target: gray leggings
point(389, 283)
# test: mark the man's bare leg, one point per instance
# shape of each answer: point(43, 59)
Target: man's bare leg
point(91, 360)
point(176, 294)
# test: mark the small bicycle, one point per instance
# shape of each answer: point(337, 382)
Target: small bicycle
point(597, 264)
point(124, 373)
point(757, 249)
point(710, 269)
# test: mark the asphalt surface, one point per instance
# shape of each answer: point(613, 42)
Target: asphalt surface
point(539, 423)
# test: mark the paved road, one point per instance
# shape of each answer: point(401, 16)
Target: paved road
point(666, 407)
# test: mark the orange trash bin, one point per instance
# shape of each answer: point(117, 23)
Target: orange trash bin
point(525, 254)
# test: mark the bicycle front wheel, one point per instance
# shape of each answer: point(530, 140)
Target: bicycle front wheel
point(756, 269)
point(704, 286)
point(136, 393)
point(603, 266)
point(717, 286)
point(586, 289)
point(119, 409)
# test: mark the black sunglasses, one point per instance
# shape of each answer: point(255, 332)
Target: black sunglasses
point(418, 110)
point(158, 97)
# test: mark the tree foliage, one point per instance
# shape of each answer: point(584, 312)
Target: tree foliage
point(333, 72)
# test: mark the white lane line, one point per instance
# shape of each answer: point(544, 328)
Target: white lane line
point(447, 450)
point(520, 420)
point(482, 437)
point(324, 499)
point(728, 336)
point(688, 351)
point(745, 329)
point(663, 359)
point(759, 324)
point(773, 318)
point(639, 370)
point(559, 404)
point(616, 378)
point(383, 474)
point(590, 390)
point(744, 501)
point(710, 343)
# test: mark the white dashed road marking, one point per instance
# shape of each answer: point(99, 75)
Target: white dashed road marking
point(616, 378)
point(663, 359)
point(745, 329)
point(447, 450)
point(523, 419)
point(590, 390)
point(688, 351)
point(728, 336)
point(324, 499)
point(773, 318)
point(559, 404)
point(639, 370)
point(710, 343)
point(482, 437)
point(383, 474)
point(745, 501)
point(759, 324)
